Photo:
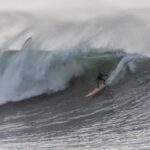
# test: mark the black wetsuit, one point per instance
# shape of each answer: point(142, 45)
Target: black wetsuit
point(100, 77)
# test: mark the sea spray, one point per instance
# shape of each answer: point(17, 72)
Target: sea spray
point(128, 62)
point(123, 30)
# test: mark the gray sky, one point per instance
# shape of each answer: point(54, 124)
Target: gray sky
point(68, 5)
point(72, 8)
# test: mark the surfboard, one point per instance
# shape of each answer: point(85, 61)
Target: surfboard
point(95, 91)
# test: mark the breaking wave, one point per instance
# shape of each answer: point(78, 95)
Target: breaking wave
point(24, 74)
point(59, 51)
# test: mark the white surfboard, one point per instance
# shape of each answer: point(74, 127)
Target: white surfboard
point(95, 91)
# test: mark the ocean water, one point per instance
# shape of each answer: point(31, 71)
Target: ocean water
point(47, 68)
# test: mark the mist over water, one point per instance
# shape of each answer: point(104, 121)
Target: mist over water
point(48, 46)
point(126, 30)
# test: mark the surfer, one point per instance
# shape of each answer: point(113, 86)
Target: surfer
point(100, 77)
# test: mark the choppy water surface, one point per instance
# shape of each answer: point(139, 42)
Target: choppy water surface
point(118, 118)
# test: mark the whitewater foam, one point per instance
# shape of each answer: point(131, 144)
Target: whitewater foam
point(32, 72)
point(128, 62)
point(49, 60)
